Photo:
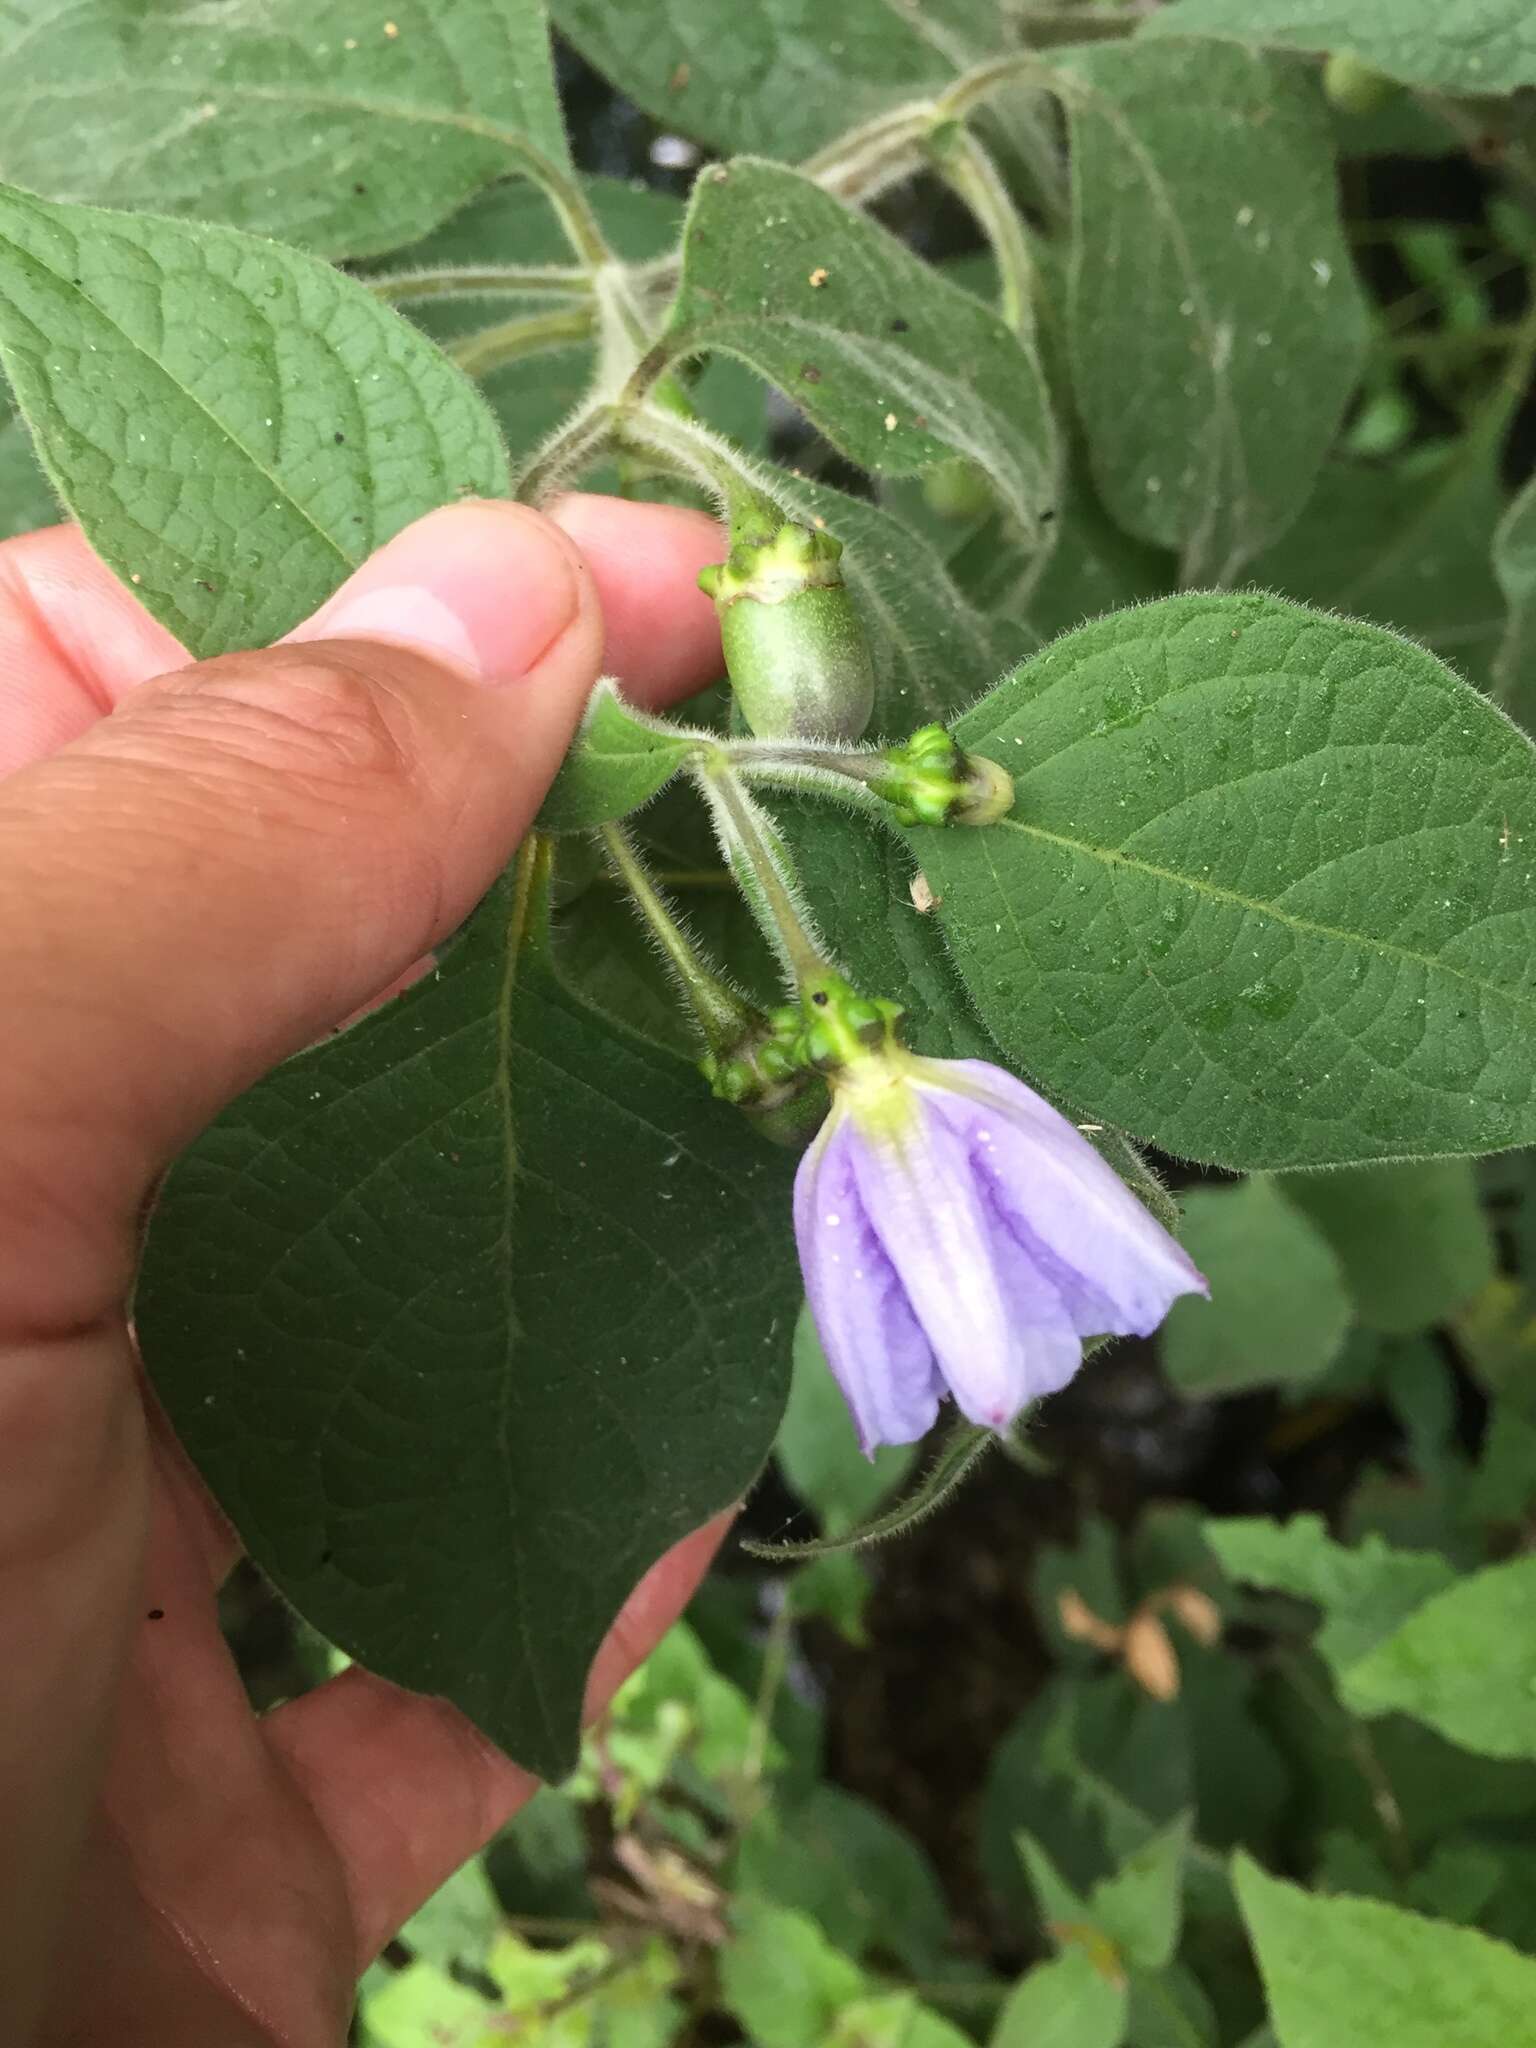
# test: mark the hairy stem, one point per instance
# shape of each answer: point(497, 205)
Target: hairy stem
point(466, 281)
point(746, 838)
point(721, 1015)
point(968, 169)
point(478, 354)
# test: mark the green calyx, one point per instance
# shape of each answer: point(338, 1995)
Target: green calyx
point(773, 568)
point(829, 1027)
point(931, 781)
point(794, 644)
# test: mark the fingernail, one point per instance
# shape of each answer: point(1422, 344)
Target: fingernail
point(488, 587)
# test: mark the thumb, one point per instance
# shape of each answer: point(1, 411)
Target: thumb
point(249, 849)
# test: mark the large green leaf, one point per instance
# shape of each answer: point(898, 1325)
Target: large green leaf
point(343, 125)
point(1470, 46)
point(1263, 897)
point(1278, 1310)
point(1216, 327)
point(782, 78)
point(235, 425)
point(1341, 1972)
point(1413, 1241)
point(898, 367)
point(468, 1313)
point(1465, 1662)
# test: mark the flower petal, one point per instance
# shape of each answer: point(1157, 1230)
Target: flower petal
point(873, 1342)
point(1114, 1265)
point(920, 1193)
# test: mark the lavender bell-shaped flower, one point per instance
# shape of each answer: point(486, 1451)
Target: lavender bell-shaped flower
point(960, 1237)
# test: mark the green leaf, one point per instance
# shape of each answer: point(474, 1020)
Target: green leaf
point(1465, 1662)
point(1064, 2003)
point(1278, 1310)
point(1406, 544)
point(1364, 1593)
point(26, 502)
point(421, 2006)
point(782, 78)
point(1467, 46)
point(1140, 1907)
point(452, 1314)
point(783, 1979)
point(234, 425)
point(899, 368)
point(818, 1451)
point(1413, 1240)
point(894, 2020)
point(1263, 896)
point(1514, 563)
point(618, 761)
point(1208, 253)
point(458, 1923)
point(859, 1876)
point(344, 126)
point(1343, 1971)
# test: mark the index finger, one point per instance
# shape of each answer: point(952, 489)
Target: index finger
point(74, 639)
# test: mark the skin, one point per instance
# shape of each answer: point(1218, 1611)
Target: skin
point(202, 869)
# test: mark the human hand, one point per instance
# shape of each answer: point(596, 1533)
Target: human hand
point(203, 869)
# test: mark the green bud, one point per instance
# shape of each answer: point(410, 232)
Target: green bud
point(767, 1074)
point(957, 490)
point(1354, 88)
point(794, 646)
point(930, 781)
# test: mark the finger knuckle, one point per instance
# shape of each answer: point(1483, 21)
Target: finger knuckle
point(317, 722)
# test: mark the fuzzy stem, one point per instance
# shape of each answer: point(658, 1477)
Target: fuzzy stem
point(968, 169)
point(566, 453)
point(486, 350)
point(723, 1018)
point(466, 281)
point(974, 88)
point(757, 864)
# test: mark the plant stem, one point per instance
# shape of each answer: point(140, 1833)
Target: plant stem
point(967, 167)
point(757, 864)
point(505, 280)
point(723, 1018)
point(566, 453)
point(479, 353)
point(694, 452)
point(975, 87)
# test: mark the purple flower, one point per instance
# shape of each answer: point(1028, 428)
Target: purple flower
point(959, 1236)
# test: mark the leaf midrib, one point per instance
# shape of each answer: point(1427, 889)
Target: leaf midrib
point(1389, 949)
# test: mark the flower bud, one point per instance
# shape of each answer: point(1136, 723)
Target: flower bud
point(930, 781)
point(1354, 88)
point(794, 645)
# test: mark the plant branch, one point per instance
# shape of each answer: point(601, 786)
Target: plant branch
point(466, 281)
point(967, 167)
point(479, 353)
